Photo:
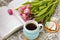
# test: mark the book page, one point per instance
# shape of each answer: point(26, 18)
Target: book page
point(8, 23)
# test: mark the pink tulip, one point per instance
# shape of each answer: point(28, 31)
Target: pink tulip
point(27, 11)
point(10, 11)
point(22, 8)
point(28, 5)
point(20, 12)
point(24, 16)
point(26, 19)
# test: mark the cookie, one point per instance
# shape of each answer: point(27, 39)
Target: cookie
point(51, 26)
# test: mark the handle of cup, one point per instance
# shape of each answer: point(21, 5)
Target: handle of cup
point(40, 27)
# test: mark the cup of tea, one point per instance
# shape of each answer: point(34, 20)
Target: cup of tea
point(31, 29)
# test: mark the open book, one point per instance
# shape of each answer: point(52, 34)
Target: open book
point(9, 23)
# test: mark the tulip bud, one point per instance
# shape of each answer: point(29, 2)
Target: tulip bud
point(28, 5)
point(20, 9)
point(10, 11)
point(23, 7)
point(24, 16)
point(27, 11)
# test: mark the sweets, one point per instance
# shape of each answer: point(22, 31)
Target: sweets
point(51, 26)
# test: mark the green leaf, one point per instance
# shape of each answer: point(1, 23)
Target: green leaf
point(47, 13)
point(50, 12)
point(44, 10)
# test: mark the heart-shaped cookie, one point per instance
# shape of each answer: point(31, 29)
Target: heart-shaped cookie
point(51, 25)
